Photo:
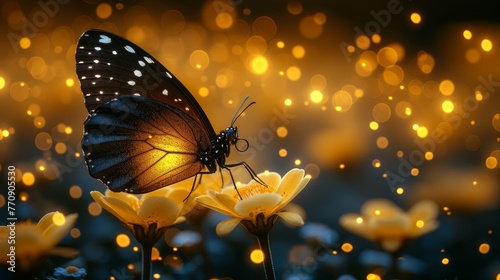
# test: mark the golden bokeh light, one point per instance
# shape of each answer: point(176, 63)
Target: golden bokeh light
point(446, 87)
point(259, 65)
point(19, 91)
point(282, 132)
point(199, 60)
point(393, 75)
point(495, 122)
point(484, 248)
point(59, 219)
point(425, 62)
point(342, 101)
point(122, 240)
point(381, 112)
point(75, 192)
point(422, 131)
point(472, 55)
point(382, 142)
point(447, 106)
point(28, 179)
point(294, 7)
point(486, 45)
point(256, 256)
point(224, 20)
point(467, 34)
point(298, 51)
point(316, 96)
point(387, 56)
point(363, 42)
point(415, 18)
point(264, 27)
point(25, 43)
point(373, 125)
point(94, 208)
point(293, 73)
point(373, 276)
point(282, 152)
point(104, 10)
point(347, 247)
point(309, 27)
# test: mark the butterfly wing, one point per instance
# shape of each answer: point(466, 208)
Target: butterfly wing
point(137, 144)
point(108, 66)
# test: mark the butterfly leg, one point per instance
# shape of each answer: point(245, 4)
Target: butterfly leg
point(250, 171)
point(194, 185)
point(232, 178)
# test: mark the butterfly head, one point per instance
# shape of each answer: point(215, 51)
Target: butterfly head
point(232, 131)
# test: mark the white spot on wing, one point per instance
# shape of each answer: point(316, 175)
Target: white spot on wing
point(148, 60)
point(137, 73)
point(132, 83)
point(97, 48)
point(169, 75)
point(129, 49)
point(164, 92)
point(104, 39)
point(141, 63)
point(114, 52)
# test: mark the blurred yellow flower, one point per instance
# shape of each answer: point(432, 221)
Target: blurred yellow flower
point(147, 216)
point(257, 199)
point(383, 222)
point(33, 241)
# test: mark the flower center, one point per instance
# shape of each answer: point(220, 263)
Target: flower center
point(72, 269)
point(251, 190)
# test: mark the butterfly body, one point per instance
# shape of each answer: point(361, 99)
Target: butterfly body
point(144, 130)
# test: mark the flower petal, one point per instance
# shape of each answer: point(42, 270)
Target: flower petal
point(352, 223)
point(54, 233)
point(46, 221)
point(219, 202)
point(259, 203)
point(291, 218)
point(292, 184)
point(160, 210)
point(179, 220)
point(225, 227)
point(379, 207)
point(390, 226)
point(120, 209)
point(391, 245)
point(423, 210)
point(130, 199)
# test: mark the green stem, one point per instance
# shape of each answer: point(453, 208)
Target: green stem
point(265, 247)
point(147, 249)
point(393, 272)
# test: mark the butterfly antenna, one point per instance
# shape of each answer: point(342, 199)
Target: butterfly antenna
point(237, 115)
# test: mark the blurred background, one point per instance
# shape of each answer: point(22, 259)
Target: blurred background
point(374, 99)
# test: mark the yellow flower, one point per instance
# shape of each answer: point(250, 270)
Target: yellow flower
point(147, 216)
point(257, 199)
point(383, 222)
point(208, 182)
point(33, 241)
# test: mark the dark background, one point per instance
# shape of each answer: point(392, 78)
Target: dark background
point(317, 135)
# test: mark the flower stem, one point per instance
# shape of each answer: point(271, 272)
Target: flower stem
point(265, 247)
point(393, 272)
point(147, 249)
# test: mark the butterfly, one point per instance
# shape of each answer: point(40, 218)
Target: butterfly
point(145, 130)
